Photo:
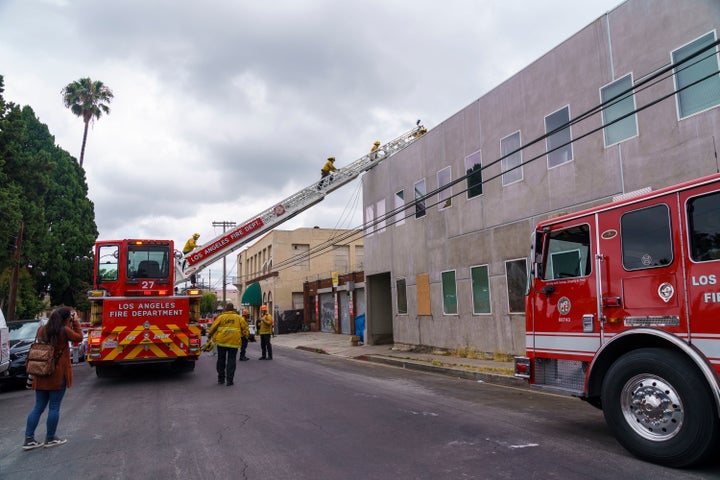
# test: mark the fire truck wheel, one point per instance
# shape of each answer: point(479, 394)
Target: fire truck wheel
point(660, 408)
point(107, 371)
point(183, 366)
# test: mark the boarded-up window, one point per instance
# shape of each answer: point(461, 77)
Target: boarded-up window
point(422, 285)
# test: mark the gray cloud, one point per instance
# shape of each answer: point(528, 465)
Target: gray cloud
point(222, 108)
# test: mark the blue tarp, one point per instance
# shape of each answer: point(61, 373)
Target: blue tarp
point(360, 327)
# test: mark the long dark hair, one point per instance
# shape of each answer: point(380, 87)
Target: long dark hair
point(57, 321)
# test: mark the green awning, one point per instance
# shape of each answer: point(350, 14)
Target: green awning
point(252, 295)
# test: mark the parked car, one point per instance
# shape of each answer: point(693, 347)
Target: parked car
point(205, 323)
point(21, 334)
point(4, 346)
point(78, 350)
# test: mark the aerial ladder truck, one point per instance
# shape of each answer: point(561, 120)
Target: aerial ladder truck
point(138, 313)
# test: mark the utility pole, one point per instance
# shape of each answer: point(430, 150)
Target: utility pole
point(12, 300)
point(224, 224)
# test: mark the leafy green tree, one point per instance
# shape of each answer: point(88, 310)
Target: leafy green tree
point(42, 186)
point(208, 302)
point(87, 99)
point(28, 302)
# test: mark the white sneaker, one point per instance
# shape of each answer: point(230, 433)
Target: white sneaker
point(55, 442)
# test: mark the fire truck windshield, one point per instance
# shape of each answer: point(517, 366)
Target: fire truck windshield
point(148, 261)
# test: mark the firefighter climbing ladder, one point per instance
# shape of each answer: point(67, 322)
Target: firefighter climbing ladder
point(232, 240)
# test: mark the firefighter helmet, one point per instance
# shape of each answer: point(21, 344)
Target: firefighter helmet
point(196, 235)
point(263, 308)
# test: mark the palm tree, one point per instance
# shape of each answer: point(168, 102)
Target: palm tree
point(87, 99)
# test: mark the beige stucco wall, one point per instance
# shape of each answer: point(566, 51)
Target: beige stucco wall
point(272, 261)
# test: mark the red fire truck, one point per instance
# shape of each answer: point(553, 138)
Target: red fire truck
point(136, 314)
point(623, 311)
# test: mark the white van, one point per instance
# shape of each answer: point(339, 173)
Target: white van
point(4, 346)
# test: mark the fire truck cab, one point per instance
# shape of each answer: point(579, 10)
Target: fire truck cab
point(135, 315)
point(623, 311)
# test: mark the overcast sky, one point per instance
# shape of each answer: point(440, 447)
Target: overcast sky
point(224, 107)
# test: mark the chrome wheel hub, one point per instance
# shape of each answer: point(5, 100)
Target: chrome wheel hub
point(652, 407)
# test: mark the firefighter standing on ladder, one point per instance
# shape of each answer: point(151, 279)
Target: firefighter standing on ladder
point(326, 169)
point(190, 245)
point(374, 149)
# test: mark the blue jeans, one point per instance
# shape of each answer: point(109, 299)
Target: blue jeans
point(42, 398)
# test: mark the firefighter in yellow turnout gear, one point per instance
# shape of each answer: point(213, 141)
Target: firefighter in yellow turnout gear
point(190, 245)
point(227, 331)
point(266, 330)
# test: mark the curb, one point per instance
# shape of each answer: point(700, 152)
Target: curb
point(457, 372)
point(312, 349)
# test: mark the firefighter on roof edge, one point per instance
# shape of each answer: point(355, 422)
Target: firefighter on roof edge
point(374, 149)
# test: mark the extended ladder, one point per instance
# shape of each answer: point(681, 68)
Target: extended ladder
point(232, 240)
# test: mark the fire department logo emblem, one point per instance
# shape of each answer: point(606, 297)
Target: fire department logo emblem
point(279, 210)
point(666, 292)
point(608, 234)
point(564, 306)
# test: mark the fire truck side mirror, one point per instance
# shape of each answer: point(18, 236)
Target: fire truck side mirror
point(548, 289)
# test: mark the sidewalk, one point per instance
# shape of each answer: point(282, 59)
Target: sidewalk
point(491, 371)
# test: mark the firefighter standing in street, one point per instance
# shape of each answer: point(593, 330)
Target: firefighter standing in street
point(228, 330)
point(266, 330)
point(245, 338)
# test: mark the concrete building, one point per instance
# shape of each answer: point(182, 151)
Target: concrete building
point(447, 267)
point(273, 270)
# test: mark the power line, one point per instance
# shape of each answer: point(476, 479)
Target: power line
point(647, 82)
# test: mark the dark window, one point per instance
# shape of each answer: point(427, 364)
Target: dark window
point(449, 291)
point(559, 144)
point(646, 238)
point(704, 218)
point(420, 198)
point(401, 296)
point(473, 170)
point(516, 273)
point(148, 261)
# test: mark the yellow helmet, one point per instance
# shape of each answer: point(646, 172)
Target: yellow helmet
point(377, 143)
point(196, 235)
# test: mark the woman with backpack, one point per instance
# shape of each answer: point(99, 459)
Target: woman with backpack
point(62, 327)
